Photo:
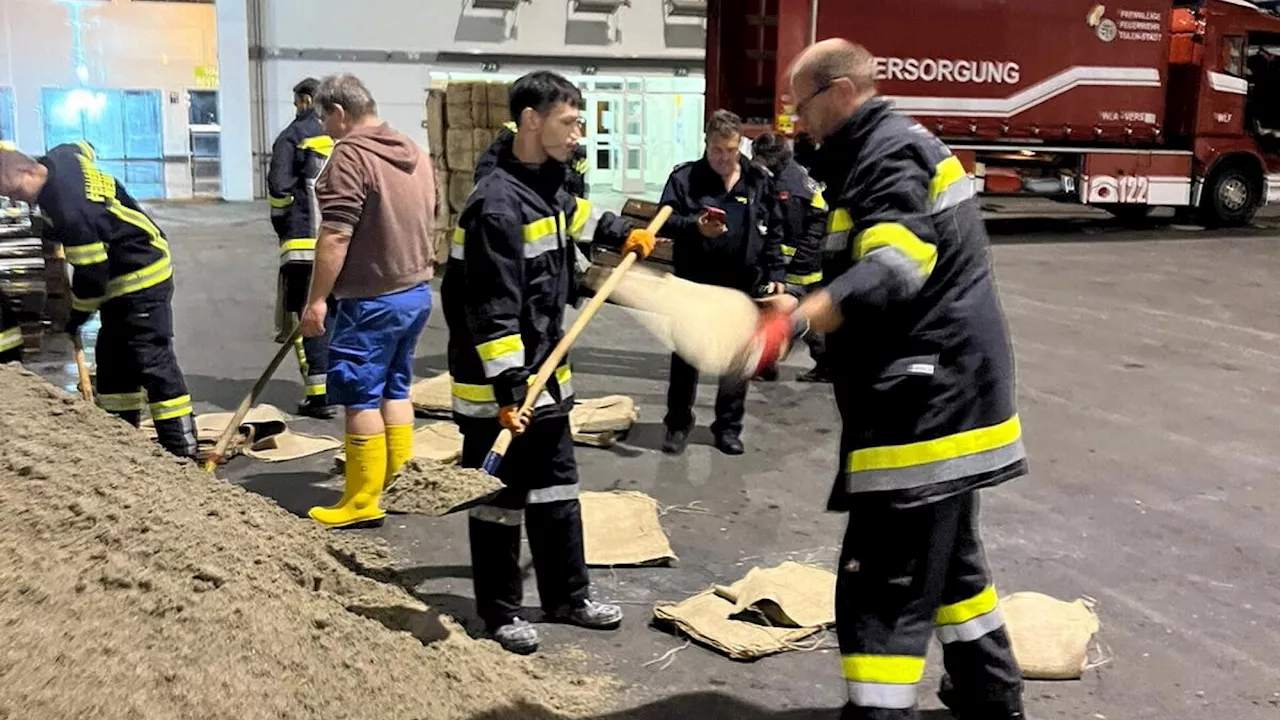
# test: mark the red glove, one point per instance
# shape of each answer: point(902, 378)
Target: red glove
point(770, 343)
point(639, 241)
point(512, 419)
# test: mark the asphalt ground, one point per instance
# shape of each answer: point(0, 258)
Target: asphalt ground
point(1146, 365)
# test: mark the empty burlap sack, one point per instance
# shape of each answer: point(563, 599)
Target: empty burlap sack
point(264, 434)
point(459, 189)
point(435, 124)
point(290, 445)
point(439, 442)
point(790, 595)
point(460, 150)
point(433, 396)
point(1050, 637)
point(706, 617)
point(457, 107)
point(599, 422)
point(622, 528)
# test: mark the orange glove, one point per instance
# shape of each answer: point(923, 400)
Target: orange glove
point(640, 242)
point(512, 419)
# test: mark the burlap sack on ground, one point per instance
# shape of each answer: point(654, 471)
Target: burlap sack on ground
point(290, 445)
point(432, 396)
point(790, 595)
point(264, 434)
point(1050, 637)
point(706, 617)
point(622, 528)
point(439, 442)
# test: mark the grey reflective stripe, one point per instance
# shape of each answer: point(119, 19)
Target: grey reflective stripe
point(498, 365)
point(958, 192)
point(475, 409)
point(835, 242)
point(281, 211)
point(971, 630)
point(497, 515)
point(544, 399)
point(544, 244)
point(593, 219)
point(316, 379)
point(298, 256)
point(882, 695)
point(904, 268)
point(555, 493)
point(457, 252)
point(566, 390)
point(936, 472)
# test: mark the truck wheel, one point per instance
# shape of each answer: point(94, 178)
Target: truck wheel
point(1230, 197)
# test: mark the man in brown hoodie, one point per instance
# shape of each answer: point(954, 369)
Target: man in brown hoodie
point(376, 200)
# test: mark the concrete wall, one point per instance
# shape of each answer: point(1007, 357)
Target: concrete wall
point(127, 44)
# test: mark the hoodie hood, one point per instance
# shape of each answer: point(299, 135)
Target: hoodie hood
point(391, 146)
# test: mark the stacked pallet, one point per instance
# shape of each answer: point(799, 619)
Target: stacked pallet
point(462, 121)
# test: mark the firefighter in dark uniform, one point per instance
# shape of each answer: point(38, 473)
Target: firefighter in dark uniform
point(924, 381)
point(297, 157)
point(726, 230)
point(11, 343)
point(804, 222)
point(122, 270)
point(511, 273)
point(575, 177)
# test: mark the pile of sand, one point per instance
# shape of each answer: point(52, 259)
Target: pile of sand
point(136, 586)
point(432, 488)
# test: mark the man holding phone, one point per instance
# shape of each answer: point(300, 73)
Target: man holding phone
point(727, 231)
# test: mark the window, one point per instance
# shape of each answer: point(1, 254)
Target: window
point(124, 127)
point(202, 107)
point(1233, 55)
point(8, 116)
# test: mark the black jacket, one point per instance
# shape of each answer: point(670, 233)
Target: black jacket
point(923, 365)
point(750, 254)
point(804, 222)
point(511, 273)
point(113, 247)
point(575, 176)
point(298, 155)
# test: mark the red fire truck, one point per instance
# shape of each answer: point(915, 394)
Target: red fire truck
point(1126, 105)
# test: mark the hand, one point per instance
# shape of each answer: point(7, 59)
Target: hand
point(711, 227)
point(512, 419)
point(769, 344)
point(313, 319)
point(639, 241)
point(75, 321)
point(780, 302)
point(823, 314)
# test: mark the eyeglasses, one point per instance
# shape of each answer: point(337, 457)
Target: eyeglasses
point(800, 106)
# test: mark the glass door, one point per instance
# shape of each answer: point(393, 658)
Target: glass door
point(631, 179)
point(603, 138)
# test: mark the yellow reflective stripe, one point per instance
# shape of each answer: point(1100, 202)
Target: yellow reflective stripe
point(474, 393)
point(581, 213)
point(90, 254)
point(538, 229)
point(966, 610)
point(818, 201)
point(278, 203)
point(808, 279)
point(149, 276)
point(6, 145)
point(788, 251)
point(839, 221)
point(511, 126)
point(897, 236)
point(581, 166)
point(945, 174)
point(885, 669)
point(297, 244)
point(169, 409)
point(86, 305)
point(122, 402)
point(969, 442)
point(320, 144)
point(10, 338)
point(457, 248)
point(316, 385)
point(87, 150)
point(502, 346)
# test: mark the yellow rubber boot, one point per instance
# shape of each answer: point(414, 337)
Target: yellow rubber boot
point(366, 471)
point(399, 449)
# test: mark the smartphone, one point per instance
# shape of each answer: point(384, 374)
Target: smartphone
point(715, 213)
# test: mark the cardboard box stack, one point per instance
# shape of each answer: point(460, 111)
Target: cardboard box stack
point(462, 121)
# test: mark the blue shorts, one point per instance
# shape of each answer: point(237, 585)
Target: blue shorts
point(371, 350)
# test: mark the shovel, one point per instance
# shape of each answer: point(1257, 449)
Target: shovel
point(233, 427)
point(84, 384)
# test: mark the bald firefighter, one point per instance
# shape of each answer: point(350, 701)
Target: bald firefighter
point(121, 270)
point(298, 155)
point(923, 374)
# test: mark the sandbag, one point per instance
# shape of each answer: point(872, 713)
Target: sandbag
point(790, 595)
point(433, 396)
point(1050, 637)
point(457, 105)
point(460, 186)
point(264, 434)
point(498, 93)
point(481, 139)
point(706, 617)
point(480, 105)
point(435, 125)
point(609, 413)
point(460, 150)
point(622, 528)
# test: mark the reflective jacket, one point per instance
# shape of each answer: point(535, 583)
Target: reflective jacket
point(804, 222)
point(923, 365)
point(575, 177)
point(511, 273)
point(298, 155)
point(10, 329)
point(756, 259)
point(113, 247)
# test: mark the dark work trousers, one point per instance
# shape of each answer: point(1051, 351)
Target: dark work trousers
point(11, 342)
point(817, 343)
point(682, 390)
point(905, 574)
point(137, 366)
point(312, 352)
point(541, 476)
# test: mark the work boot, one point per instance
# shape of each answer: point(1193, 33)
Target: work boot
point(178, 436)
point(676, 441)
point(316, 406)
point(816, 375)
point(517, 637)
point(365, 472)
point(769, 375)
point(590, 614)
point(729, 443)
point(962, 708)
